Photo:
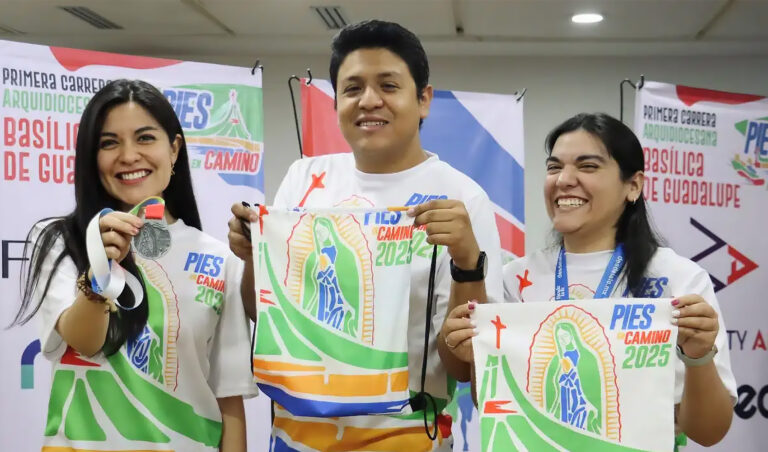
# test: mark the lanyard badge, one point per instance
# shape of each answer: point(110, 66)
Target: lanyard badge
point(154, 239)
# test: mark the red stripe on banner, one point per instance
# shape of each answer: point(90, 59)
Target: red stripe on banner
point(319, 126)
point(690, 96)
point(74, 59)
point(512, 238)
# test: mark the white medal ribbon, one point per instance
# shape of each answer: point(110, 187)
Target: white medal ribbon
point(109, 278)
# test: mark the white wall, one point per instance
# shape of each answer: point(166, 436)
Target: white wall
point(557, 89)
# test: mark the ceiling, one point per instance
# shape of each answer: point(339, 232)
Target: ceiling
point(447, 27)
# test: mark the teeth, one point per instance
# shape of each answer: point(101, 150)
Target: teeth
point(372, 123)
point(570, 202)
point(134, 175)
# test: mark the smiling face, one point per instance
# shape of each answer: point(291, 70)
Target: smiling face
point(135, 156)
point(583, 190)
point(379, 111)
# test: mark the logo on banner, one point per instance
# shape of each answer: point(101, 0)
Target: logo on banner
point(571, 372)
point(219, 137)
point(752, 162)
point(741, 265)
point(329, 270)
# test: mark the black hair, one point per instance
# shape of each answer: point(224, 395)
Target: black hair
point(633, 228)
point(371, 34)
point(91, 197)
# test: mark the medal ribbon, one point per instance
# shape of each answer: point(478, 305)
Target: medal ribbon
point(607, 283)
point(109, 278)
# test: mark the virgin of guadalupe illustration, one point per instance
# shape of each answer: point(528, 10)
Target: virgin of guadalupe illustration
point(332, 280)
point(573, 382)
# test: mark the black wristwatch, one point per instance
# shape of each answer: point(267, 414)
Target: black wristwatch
point(476, 274)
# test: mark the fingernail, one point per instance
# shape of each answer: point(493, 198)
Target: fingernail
point(473, 323)
point(135, 231)
point(253, 217)
point(476, 331)
point(675, 302)
point(410, 212)
point(674, 320)
point(471, 305)
point(676, 313)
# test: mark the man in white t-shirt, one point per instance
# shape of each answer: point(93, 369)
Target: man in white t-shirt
point(380, 72)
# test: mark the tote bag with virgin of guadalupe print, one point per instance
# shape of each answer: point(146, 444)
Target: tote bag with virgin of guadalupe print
point(334, 290)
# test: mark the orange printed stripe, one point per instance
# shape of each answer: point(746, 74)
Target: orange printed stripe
point(271, 365)
point(323, 436)
point(338, 385)
point(399, 381)
point(70, 449)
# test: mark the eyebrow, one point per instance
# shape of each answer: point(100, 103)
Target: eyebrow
point(357, 78)
point(580, 158)
point(138, 131)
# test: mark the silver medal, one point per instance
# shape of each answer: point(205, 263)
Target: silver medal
point(153, 240)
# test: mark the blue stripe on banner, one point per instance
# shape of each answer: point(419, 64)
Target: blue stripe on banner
point(459, 139)
point(314, 408)
point(281, 446)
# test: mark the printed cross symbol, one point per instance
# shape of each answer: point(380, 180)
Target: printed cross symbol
point(524, 282)
point(499, 326)
point(317, 182)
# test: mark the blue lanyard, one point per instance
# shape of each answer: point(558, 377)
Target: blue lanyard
point(607, 283)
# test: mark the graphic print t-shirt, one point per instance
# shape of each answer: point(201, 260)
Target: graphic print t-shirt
point(333, 181)
point(532, 278)
point(159, 391)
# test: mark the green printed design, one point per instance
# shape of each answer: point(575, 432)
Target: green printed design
point(329, 342)
point(265, 342)
point(218, 125)
point(551, 429)
point(170, 411)
point(80, 423)
point(63, 380)
point(124, 416)
point(295, 346)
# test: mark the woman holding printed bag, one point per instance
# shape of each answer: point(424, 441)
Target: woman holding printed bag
point(593, 195)
point(161, 358)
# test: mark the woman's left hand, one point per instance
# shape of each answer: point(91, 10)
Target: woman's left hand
point(697, 325)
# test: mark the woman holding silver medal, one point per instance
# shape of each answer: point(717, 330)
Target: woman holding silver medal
point(606, 247)
point(147, 347)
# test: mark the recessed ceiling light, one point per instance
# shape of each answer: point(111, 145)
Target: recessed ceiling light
point(587, 18)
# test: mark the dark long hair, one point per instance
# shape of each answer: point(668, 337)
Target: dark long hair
point(634, 228)
point(91, 197)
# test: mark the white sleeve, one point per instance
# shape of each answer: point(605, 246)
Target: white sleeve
point(699, 283)
point(284, 196)
point(61, 294)
point(230, 356)
point(511, 291)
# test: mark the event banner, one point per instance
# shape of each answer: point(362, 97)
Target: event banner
point(596, 376)
point(706, 165)
point(479, 134)
point(43, 92)
point(333, 288)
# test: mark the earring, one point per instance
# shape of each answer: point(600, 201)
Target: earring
point(172, 171)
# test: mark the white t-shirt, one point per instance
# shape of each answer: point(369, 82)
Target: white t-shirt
point(669, 275)
point(159, 391)
point(334, 180)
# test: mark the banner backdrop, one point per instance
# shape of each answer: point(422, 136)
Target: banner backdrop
point(706, 164)
point(43, 92)
point(559, 376)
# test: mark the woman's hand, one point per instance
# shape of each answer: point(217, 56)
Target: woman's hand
point(458, 330)
point(117, 230)
point(697, 325)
